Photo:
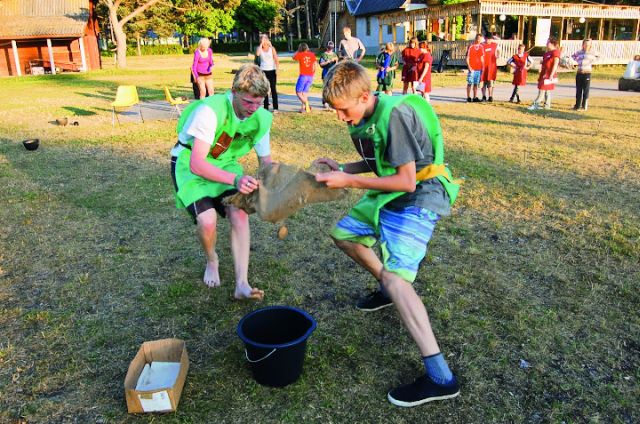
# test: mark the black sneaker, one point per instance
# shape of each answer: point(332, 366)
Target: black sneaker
point(469, 99)
point(421, 391)
point(490, 99)
point(373, 302)
point(484, 99)
point(476, 100)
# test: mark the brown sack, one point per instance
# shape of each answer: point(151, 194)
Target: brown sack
point(283, 190)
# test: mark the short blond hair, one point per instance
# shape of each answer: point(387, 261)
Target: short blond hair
point(251, 80)
point(204, 42)
point(346, 80)
point(390, 47)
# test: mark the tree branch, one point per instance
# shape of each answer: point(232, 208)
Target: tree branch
point(139, 10)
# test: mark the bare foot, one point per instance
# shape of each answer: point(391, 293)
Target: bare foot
point(211, 276)
point(245, 291)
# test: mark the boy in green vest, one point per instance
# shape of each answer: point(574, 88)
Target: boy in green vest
point(400, 141)
point(213, 134)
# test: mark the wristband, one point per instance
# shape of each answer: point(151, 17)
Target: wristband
point(236, 179)
point(341, 168)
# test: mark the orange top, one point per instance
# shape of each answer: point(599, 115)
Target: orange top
point(307, 60)
point(475, 55)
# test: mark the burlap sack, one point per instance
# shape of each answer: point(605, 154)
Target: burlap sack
point(284, 189)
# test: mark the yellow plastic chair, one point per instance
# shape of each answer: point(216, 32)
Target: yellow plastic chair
point(126, 96)
point(174, 102)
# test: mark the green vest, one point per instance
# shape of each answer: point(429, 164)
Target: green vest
point(244, 135)
point(377, 129)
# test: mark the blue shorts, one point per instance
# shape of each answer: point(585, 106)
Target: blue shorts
point(404, 236)
point(473, 77)
point(304, 83)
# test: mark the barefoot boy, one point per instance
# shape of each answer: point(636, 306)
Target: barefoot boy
point(213, 134)
point(396, 136)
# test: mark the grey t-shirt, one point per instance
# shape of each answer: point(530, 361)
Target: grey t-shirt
point(408, 141)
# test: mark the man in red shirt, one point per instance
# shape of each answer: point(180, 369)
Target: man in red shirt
point(307, 61)
point(490, 70)
point(475, 64)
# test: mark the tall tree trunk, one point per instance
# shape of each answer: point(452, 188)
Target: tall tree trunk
point(307, 12)
point(298, 20)
point(121, 39)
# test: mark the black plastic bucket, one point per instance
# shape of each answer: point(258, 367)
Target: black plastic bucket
point(275, 340)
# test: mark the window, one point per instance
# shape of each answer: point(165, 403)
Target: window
point(389, 29)
point(368, 26)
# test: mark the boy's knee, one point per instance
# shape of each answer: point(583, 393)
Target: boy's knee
point(391, 281)
point(342, 244)
point(238, 218)
point(207, 222)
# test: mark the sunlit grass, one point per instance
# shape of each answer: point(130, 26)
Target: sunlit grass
point(538, 262)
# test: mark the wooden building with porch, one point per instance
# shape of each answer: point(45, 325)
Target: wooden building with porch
point(613, 28)
point(48, 36)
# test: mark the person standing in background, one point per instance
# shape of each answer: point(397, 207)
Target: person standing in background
point(351, 47)
point(307, 61)
point(202, 68)
point(386, 63)
point(424, 70)
point(585, 59)
point(327, 59)
point(490, 70)
point(475, 64)
point(410, 57)
point(520, 63)
point(269, 64)
point(548, 75)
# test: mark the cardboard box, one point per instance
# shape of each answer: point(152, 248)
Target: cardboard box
point(159, 400)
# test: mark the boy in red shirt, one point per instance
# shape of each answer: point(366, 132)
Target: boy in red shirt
point(307, 61)
point(490, 70)
point(475, 64)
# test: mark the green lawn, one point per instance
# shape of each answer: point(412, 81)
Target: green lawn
point(539, 262)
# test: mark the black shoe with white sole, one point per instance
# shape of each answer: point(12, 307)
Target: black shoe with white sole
point(421, 391)
point(373, 302)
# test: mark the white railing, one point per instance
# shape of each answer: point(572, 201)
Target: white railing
point(458, 50)
point(610, 52)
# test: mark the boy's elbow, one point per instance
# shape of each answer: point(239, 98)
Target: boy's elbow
point(194, 167)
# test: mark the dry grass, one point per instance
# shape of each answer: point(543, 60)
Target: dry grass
point(539, 262)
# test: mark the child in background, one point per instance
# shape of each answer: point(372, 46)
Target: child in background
point(548, 75)
point(520, 63)
point(475, 64)
point(410, 57)
point(307, 61)
point(327, 59)
point(424, 70)
point(386, 63)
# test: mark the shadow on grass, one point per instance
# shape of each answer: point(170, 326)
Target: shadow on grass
point(79, 112)
point(121, 265)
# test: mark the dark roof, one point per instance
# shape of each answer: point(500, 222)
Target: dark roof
point(371, 7)
point(43, 18)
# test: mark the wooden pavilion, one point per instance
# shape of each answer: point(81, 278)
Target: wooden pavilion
point(48, 36)
point(614, 29)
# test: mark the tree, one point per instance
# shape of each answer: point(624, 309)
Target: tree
point(207, 21)
point(129, 9)
point(257, 15)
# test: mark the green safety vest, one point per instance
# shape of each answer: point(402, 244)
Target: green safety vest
point(244, 135)
point(376, 128)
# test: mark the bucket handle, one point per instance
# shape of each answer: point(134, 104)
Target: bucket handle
point(246, 355)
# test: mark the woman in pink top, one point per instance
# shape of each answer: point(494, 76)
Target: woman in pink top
point(202, 67)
